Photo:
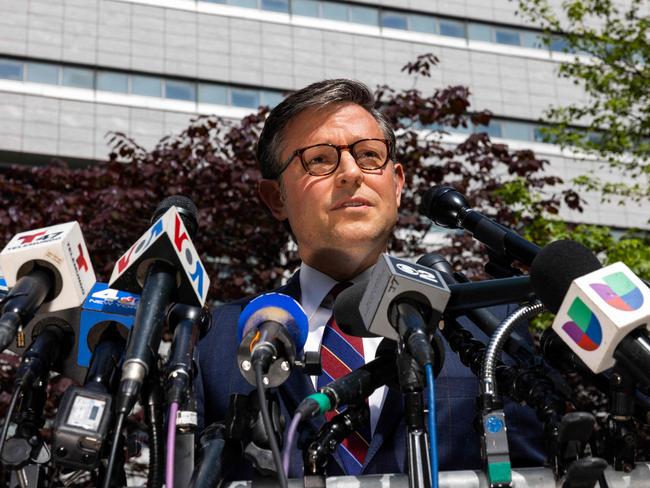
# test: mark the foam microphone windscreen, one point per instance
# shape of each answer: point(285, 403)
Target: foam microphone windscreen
point(186, 208)
point(346, 311)
point(556, 266)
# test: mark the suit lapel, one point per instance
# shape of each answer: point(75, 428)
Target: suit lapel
point(389, 419)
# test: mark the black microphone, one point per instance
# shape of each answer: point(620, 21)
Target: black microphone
point(361, 309)
point(448, 208)
point(22, 301)
point(188, 323)
point(44, 352)
point(85, 413)
point(158, 290)
point(516, 346)
point(208, 473)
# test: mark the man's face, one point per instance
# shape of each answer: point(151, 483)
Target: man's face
point(349, 210)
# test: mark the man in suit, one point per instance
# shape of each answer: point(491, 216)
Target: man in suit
point(330, 173)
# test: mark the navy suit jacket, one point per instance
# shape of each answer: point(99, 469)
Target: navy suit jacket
point(456, 389)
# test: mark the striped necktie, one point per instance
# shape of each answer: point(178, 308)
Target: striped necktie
point(340, 354)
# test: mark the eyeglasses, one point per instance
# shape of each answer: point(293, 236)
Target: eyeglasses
point(323, 159)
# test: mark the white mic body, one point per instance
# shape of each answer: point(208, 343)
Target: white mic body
point(599, 310)
point(60, 248)
point(166, 240)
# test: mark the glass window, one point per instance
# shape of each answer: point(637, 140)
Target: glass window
point(559, 44)
point(43, 73)
point(180, 90)
point(242, 97)
point(271, 98)
point(452, 28)
point(244, 3)
point(479, 32)
point(538, 134)
point(11, 70)
point(492, 130)
point(519, 131)
point(506, 36)
point(276, 5)
point(79, 77)
point(394, 20)
point(215, 1)
point(364, 15)
point(308, 8)
point(146, 85)
point(216, 94)
point(423, 23)
point(113, 82)
point(533, 40)
point(334, 11)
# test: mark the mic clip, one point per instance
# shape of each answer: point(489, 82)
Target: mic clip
point(310, 363)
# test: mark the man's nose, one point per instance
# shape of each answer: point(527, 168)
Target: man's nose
point(348, 170)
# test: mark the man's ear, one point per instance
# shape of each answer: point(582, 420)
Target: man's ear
point(271, 194)
point(398, 171)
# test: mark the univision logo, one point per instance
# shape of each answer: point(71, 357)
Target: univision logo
point(585, 329)
point(619, 292)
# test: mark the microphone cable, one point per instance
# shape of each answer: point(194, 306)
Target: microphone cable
point(121, 417)
point(266, 420)
point(431, 417)
point(171, 444)
point(12, 406)
point(291, 434)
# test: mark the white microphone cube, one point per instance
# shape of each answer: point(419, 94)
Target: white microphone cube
point(166, 240)
point(60, 248)
point(599, 310)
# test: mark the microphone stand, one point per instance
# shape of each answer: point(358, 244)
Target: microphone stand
point(412, 382)
point(620, 430)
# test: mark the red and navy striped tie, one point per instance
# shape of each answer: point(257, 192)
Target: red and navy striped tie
point(340, 354)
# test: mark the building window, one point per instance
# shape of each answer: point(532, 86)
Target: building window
point(507, 36)
point(43, 73)
point(78, 77)
point(270, 98)
point(308, 8)
point(394, 20)
point(276, 5)
point(479, 32)
point(364, 15)
point(334, 11)
point(452, 28)
point(519, 131)
point(113, 82)
point(11, 70)
point(148, 86)
point(243, 3)
point(214, 94)
point(423, 23)
point(242, 97)
point(180, 90)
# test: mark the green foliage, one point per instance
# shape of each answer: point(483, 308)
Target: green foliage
point(611, 62)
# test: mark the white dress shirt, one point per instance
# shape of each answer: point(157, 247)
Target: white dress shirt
point(314, 287)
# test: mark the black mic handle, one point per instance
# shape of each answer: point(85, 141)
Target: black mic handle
point(633, 355)
point(104, 365)
point(156, 295)
point(179, 368)
point(481, 294)
point(43, 352)
point(208, 472)
point(22, 301)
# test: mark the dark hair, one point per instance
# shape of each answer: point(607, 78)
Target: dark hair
point(316, 95)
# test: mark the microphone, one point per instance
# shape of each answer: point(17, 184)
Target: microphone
point(448, 208)
point(600, 313)
point(187, 323)
point(47, 270)
point(43, 353)
point(516, 346)
point(84, 417)
point(362, 309)
point(273, 329)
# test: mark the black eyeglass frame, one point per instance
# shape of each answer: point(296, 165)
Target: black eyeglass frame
point(339, 148)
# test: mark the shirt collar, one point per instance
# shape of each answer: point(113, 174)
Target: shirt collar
point(315, 285)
